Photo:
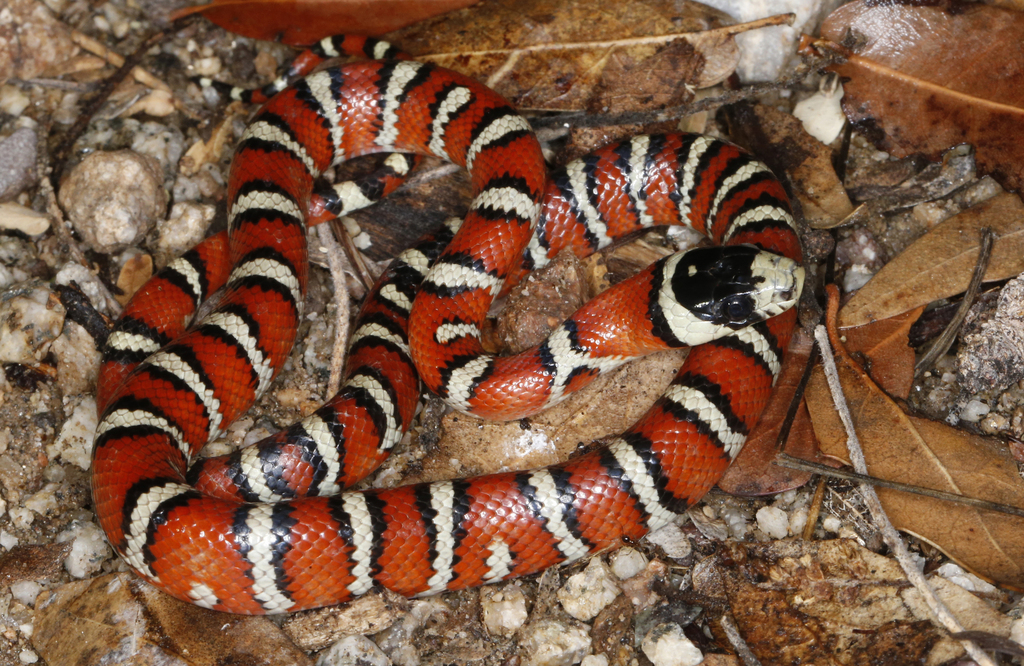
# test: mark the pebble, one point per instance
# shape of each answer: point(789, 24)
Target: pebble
point(671, 540)
point(831, 524)
point(554, 643)
point(28, 657)
point(87, 281)
point(31, 318)
point(78, 360)
point(594, 660)
point(88, 549)
point(822, 113)
point(504, 609)
point(773, 521)
point(73, 443)
point(627, 562)
point(974, 411)
point(954, 573)
point(15, 217)
point(586, 594)
point(113, 199)
point(667, 645)
point(1017, 631)
point(184, 228)
point(353, 651)
point(17, 162)
point(26, 591)
point(44, 501)
point(8, 540)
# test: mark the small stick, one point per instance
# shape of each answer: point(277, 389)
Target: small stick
point(815, 510)
point(732, 632)
point(892, 538)
point(343, 302)
point(945, 341)
point(786, 460)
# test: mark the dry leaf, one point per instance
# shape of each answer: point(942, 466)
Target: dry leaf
point(885, 344)
point(752, 472)
point(121, 619)
point(924, 78)
point(834, 602)
point(586, 55)
point(939, 264)
point(781, 141)
point(913, 450)
point(306, 21)
point(133, 275)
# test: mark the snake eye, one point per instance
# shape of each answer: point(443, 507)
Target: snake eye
point(738, 308)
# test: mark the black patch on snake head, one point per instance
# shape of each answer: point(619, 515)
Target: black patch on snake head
point(717, 285)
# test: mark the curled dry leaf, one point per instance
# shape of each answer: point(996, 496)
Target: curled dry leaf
point(121, 619)
point(912, 450)
point(834, 602)
point(587, 55)
point(306, 21)
point(752, 472)
point(924, 78)
point(939, 264)
point(782, 142)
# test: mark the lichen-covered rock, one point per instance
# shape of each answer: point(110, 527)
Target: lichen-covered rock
point(113, 199)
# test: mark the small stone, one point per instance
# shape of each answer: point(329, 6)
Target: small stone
point(88, 550)
point(114, 198)
point(26, 591)
point(78, 360)
point(28, 657)
point(594, 660)
point(31, 318)
point(17, 163)
point(15, 217)
point(44, 501)
point(184, 228)
point(504, 609)
point(773, 522)
point(354, 651)
point(973, 411)
point(627, 562)
point(667, 645)
point(954, 573)
point(585, 594)
point(1017, 631)
point(797, 520)
point(994, 423)
point(671, 540)
point(74, 442)
point(831, 524)
point(554, 643)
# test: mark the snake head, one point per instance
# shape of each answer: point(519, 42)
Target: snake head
point(707, 293)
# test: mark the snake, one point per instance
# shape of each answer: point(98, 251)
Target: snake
point(271, 528)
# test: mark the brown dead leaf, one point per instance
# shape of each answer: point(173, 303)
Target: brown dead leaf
point(834, 602)
point(133, 275)
point(939, 264)
point(207, 152)
point(884, 343)
point(913, 450)
point(781, 141)
point(752, 472)
point(925, 78)
point(587, 55)
point(121, 619)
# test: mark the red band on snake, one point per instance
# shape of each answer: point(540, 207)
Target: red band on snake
point(267, 530)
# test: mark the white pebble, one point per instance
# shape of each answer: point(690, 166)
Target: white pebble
point(554, 643)
point(672, 541)
point(955, 574)
point(974, 410)
point(586, 594)
point(773, 522)
point(504, 609)
point(26, 591)
point(353, 651)
point(831, 524)
point(1017, 631)
point(7, 540)
point(74, 442)
point(30, 320)
point(28, 657)
point(667, 645)
point(627, 562)
point(594, 660)
point(43, 502)
point(797, 521)
point(88, 550)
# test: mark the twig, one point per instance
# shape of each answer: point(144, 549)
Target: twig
point(723, 32)
point(583, 119)
point(892, 538)
point(743, 650)
point(785, 460)
point(815, 510)
point(117, 60)
point(342, 301)
point(945, 341)
point(352, 253)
